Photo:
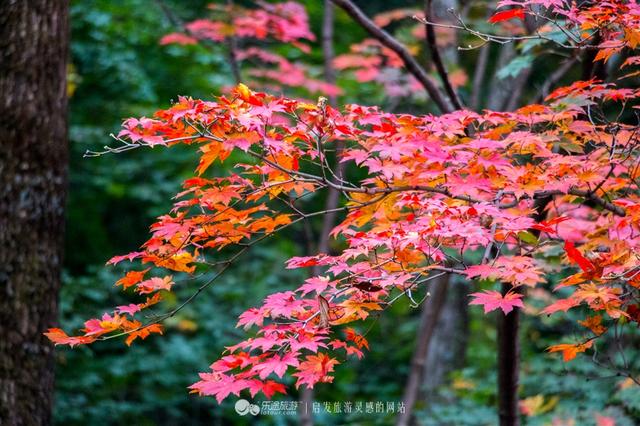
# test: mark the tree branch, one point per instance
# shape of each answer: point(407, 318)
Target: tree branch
point(437, 58)
point(389, 41)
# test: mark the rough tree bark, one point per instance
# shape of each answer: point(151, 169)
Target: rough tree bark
point(33, 169)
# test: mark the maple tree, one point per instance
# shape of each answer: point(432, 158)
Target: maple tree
point(499, 196)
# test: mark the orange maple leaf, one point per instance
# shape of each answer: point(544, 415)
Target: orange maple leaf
point(569, 351)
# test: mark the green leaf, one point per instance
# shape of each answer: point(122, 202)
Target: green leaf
point(515, 67)
point(527, 237)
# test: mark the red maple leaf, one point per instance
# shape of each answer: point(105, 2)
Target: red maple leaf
point(505, 15)
point(573, 254)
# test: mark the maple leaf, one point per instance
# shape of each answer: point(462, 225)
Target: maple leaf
point(131, 278)
point(143, 332)
point(276, 364)
point(354, 310)
point(536, 405)
point(505, 15)
point(130, 257)
point(594, 324)
point(106, 324)
point(547, 225)
point(358, 339)
point(516, 270)
point(316, 284)
point(251, 317)
point(268, 388)
point(219, 385)
point(302, 262)
point(283, 304)
point(605, 420)
point(179, 262)
point(223, 195)
point(492, 300)
point(311, 342)
point(155, 284)
point(483, 271)
point(59, 337)
point(569, 351)
point(561, 305)
point(315, 369)
point(597, 295)
point(573, 254)
point(229, 362)
point(130, 309)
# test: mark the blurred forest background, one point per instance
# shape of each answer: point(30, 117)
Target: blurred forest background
point(117, 70)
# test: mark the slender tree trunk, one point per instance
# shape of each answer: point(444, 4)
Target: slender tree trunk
point(500, 89)
point(508, 365)
point(478, 77)
point(33, 169)
point(509, 346)
point(328, 54)
point(428, 320)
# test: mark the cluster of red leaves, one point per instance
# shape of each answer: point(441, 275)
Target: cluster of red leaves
point(370, 61)
point(611, 25)
point(250, 28)
point(437, 188)
point(286, 22)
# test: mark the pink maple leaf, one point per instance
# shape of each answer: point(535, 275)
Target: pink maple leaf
point(276, 364)
point(253, 316)
point(317, 284)
point(561, 305)
point(492, 300)
point(130, 309)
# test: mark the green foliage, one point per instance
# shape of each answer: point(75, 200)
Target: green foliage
point(515, 66)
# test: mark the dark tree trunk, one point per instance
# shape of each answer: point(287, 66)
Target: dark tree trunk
point(508, 365)
point(33, 169)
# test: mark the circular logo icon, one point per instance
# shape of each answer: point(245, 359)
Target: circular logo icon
point(243, 407)
point(254, 409)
